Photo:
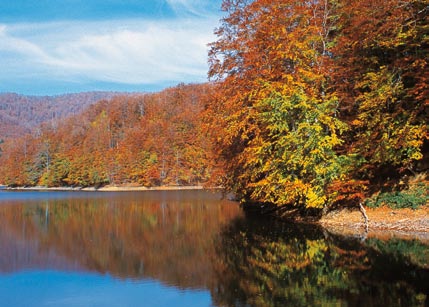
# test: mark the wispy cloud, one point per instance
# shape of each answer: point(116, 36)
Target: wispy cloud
point(195, 7)
point(124, 51)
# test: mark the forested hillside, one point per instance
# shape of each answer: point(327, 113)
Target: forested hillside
point(19, 113)
point(312, 104)
point(148, 139)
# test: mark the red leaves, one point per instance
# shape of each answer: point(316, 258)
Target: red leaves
point(349, 191)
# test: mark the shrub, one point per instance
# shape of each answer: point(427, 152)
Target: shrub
point(414, 197)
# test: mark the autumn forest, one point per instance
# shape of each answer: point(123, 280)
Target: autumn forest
point(310, 104)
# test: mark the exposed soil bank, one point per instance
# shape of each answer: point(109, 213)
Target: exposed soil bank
point(384, 223)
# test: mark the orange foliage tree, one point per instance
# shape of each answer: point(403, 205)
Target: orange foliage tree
point(278, 119)
point(316, 98)
point(149, 139)
point(381, 76)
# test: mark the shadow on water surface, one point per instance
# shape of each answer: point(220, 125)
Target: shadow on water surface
point(269, 263)
point(195, 240)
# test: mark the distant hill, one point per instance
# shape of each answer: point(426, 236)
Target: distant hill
point(20, 113)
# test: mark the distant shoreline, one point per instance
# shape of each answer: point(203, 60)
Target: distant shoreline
point(108, 188)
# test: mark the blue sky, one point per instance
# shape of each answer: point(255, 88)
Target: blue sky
point(49, 47)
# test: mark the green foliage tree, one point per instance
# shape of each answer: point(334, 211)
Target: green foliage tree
point(317, 100)
point(293, 159)
point(279, 129)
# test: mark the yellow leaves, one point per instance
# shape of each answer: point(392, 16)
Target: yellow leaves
point(316, 248)
point(388, 131)
point(101, 119)
point(290, 158)
point(284, 130)
point(379, 90)
point(314, 200)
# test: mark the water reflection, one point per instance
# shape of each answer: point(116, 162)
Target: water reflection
point(162, 235)
point(191, 246)
point(276, 264)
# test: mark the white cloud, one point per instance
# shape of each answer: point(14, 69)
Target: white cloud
point(121, 51)
point(195, 7)
point(20, 47)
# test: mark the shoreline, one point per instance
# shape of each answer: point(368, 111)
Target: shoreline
point(107, 188)
point(383, 222)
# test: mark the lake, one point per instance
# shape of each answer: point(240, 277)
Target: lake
point(190, 248)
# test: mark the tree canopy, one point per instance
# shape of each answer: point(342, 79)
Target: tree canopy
point(318, 98)
point(311, 104)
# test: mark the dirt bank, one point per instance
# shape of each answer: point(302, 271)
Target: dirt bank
point(383, 223)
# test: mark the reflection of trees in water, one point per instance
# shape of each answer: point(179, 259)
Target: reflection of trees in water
point(171, 241)
point(208, 244)
point(265, 263)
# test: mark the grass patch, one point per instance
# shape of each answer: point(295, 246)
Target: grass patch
point(413, 198)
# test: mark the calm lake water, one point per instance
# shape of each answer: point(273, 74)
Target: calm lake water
point(190, 248)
